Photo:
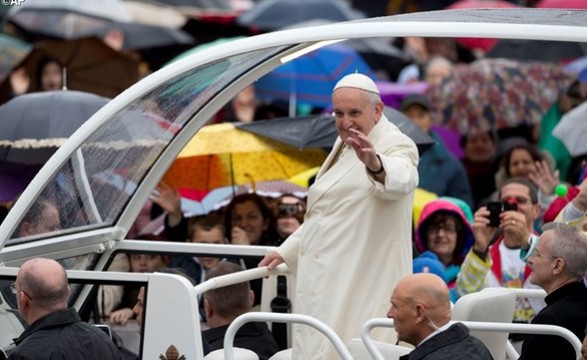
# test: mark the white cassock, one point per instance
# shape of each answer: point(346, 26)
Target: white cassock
point(355, 243)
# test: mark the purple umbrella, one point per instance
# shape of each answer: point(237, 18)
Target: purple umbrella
point(14, 178)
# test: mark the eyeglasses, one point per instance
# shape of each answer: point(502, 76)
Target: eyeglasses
point(516, 199)
point(448, 229)
point(15, 291)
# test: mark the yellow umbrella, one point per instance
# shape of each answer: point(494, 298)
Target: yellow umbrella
point(303, 178)
point(421, 198)
point(221, 155)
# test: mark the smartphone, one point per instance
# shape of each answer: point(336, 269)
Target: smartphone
point(496, 208)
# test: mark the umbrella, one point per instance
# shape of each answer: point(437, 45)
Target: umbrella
point(14, 178)
point(484, 44)
point(311, 78)
point(319, 130)
point(392, 94)
point(378, 53)
point(221, 155)
point(142, 36)
point(201, 4)
point(201, 47)
point(538, 50)
point(155, 14)
point(277, 14)
point(91, 66)
point(12, 51)
point(64, 18)
point(576, 66)
point(157, 44)
point(571, 130)
point(562, 4)
point(34, 125)
point(496, 94)
point(303, 178)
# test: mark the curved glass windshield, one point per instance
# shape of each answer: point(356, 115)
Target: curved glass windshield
point(91, 189)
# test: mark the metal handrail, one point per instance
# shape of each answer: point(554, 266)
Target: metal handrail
point(239, 277)
point(286, 318)
point(479, 326)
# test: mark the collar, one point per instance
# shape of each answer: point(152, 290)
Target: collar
point(436, 332)
point(56, 319)
point(574, 288)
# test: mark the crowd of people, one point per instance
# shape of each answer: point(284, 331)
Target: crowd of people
point(496, 221)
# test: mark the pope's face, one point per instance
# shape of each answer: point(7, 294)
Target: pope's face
point(353, 109)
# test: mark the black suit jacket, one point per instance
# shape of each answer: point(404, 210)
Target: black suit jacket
point(455, 343)
point(566, 307)
point(254, 336)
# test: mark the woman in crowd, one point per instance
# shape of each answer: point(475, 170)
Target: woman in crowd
point(289, 213)
point(444, 230)
point(248, 220)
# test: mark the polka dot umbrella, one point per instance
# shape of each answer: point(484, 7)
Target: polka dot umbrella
point(221, 155)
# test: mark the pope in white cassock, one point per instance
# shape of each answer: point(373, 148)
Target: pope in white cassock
point(355, 243)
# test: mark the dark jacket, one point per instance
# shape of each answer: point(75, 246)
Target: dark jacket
point(442, 173)
point(63, 335)
point(566, 307)
point(254, 336)
point(455, 343)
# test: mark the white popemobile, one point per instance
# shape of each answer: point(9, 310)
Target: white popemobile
point(139, 133)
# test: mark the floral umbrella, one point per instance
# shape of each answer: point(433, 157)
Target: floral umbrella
point(496, 94)
point(222, 155)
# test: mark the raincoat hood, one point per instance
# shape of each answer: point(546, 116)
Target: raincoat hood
point(445, 206)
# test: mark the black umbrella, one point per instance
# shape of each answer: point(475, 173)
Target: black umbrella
point(34, 125)
point(319, 130)
point(142, 36)
point(537, 50)
point(201, 4)
point(276, 14)
point(63, 19)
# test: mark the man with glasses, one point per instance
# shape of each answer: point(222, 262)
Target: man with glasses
point(558, 264)
point(55, 331)
point(494, 260)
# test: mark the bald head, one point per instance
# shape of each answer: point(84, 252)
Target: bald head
point(45, 282)
point(430, 290)
point(420, 304)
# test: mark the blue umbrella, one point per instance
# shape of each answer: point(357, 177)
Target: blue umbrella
point(311, 78)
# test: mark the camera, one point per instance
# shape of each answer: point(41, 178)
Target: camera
point(497, 207)
point(288, 210)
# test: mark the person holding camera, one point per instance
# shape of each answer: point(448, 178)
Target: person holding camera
point(289, 214)
point(501, 230)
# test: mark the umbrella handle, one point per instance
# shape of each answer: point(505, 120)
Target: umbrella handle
point(253, 184)
point(64, 78)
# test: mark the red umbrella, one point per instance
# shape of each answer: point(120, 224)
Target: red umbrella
point(479, 43)
point(562, 4)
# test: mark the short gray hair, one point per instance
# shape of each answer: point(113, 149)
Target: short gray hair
point(570, 244)
point(374, 98)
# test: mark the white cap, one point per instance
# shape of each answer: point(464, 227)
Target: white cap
point(358, 81)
